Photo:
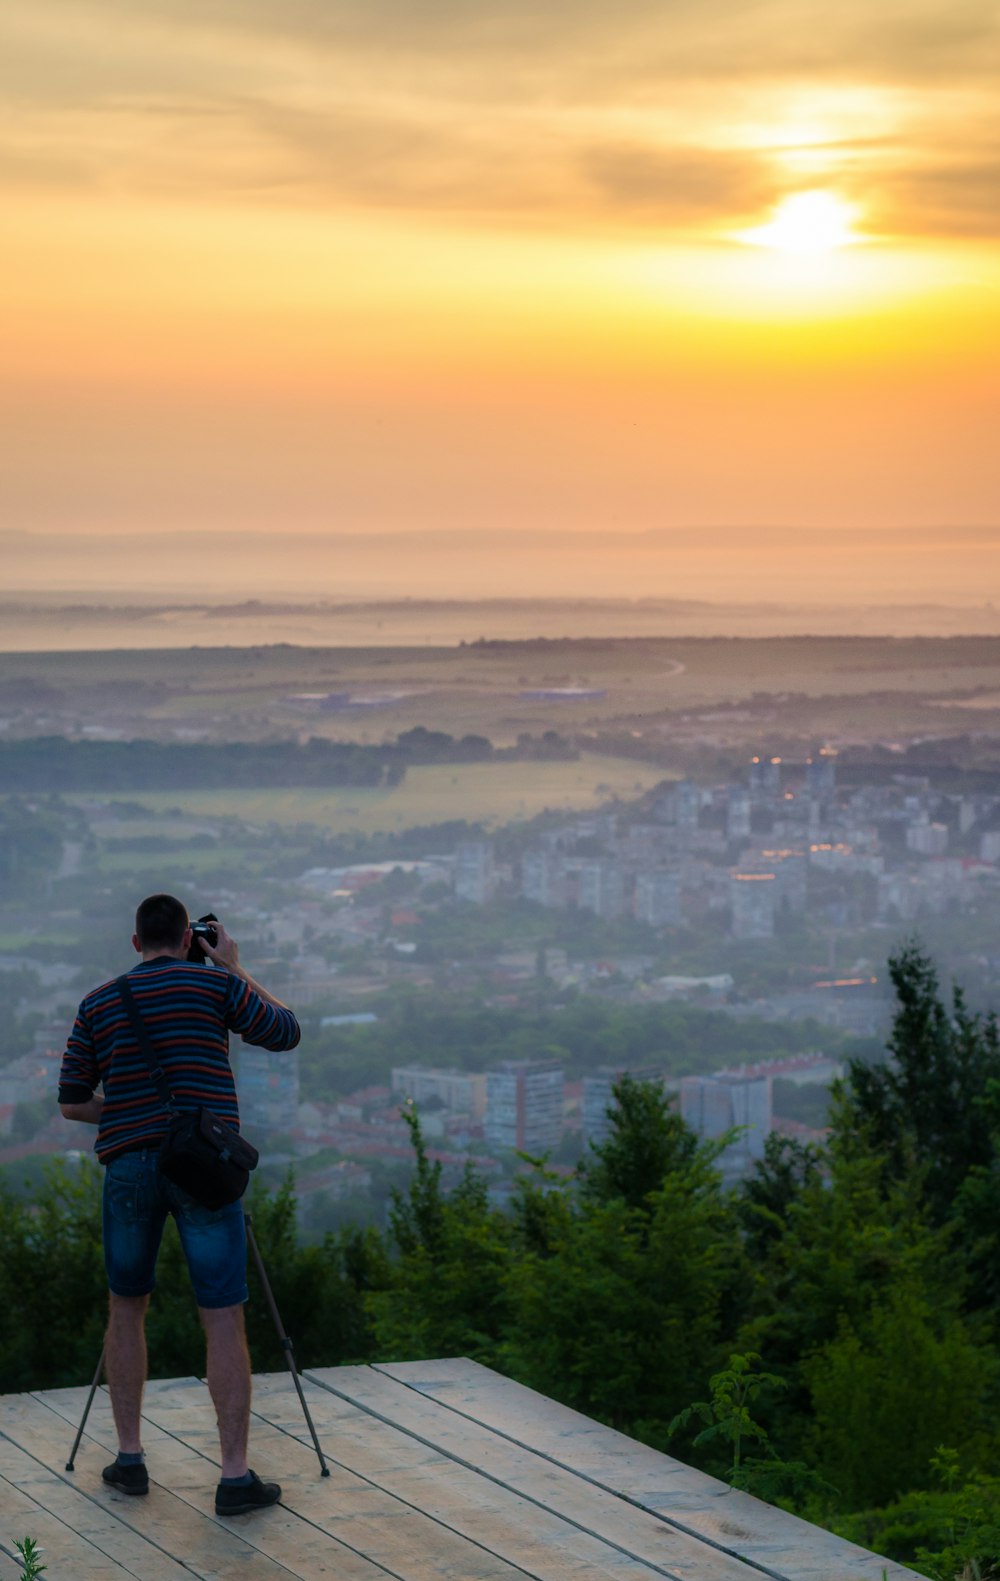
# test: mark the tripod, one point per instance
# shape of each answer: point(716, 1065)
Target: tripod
point(286, 1346)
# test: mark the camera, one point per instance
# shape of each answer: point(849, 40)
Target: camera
point(202, 929)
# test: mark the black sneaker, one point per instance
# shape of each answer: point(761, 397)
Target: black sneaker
point(253, 1495)
point(127, 1479)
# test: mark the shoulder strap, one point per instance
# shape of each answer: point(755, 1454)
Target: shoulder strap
point(142, 1037)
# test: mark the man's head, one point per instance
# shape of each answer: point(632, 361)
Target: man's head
point(161, 927)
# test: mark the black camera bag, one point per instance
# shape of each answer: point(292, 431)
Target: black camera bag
point(200, 1153)
point(207, 1158)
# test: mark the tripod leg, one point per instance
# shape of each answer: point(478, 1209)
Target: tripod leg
point(286, 1343)
point(70, 1466)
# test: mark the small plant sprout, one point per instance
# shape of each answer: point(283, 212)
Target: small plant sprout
point(727, 1415)
point(30, 1556)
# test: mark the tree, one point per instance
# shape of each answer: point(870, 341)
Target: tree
point(52, 1283)
point(768, 1195)
point(617, 1296)
point(616, 1311)
point(444, 1293)
point(891, 1387)
point(852, 1237)
point(926, 1105)
point(648, 1141)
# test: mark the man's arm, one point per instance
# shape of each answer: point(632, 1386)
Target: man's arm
point(79, 1076)
point(89, 1112)
point(226, 953)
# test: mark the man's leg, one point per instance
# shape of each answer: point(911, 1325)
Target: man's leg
point(133, 1216)
point(125, 1364)
point(228, 1371)
point(216, 1250)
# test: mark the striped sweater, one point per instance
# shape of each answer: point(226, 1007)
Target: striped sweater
point(188, 1010)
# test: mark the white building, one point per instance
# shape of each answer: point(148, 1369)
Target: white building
point(455, 1089)
point(524, 1106)
point(821, 773)
point(543, 877)
point(600, 888)
point(657, 898)
point(927, 839)
point(753, 898)
point(789, 866)
point(712, 1105)
point(599, 1099)
point(738, 814)
point(765, 776)
point(475, 871)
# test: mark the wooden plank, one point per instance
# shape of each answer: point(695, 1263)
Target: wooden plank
point(624, 1534)
point(10, 1567)
point(178, 1418)
point(65, 1551)
point(184, 1527)
point(785, 1547)
point(86, 1517)
point(511, 1513)
point(384, 1531)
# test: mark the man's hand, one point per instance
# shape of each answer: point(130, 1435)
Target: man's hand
point(224, 952)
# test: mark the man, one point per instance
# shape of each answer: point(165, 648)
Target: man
point(189, 1009)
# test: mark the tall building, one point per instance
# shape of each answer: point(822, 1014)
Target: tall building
point(927, 839)
point(680, 805)
point(543, 877)
point(599, 1098)
point(688, 804)
point(475, 874)
point(524, 1105)
point(600, 887)
point(657, 898)
point(268, 1087)
point(790, 867)
point(738, 814)
point(455, 1089)
point(765, 776)
point(712, 1105)
point(648, 843)
point(821, 773)
point(753, 898)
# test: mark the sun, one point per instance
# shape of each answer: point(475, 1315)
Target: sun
point(807, 222)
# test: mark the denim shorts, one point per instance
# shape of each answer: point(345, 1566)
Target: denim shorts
point(137, 1200)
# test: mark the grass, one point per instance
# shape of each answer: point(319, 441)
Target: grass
point(241, 693)
point(193, 862)
point(491, 793)
point(15, 940)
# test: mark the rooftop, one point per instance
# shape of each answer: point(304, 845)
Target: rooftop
point(437, 1469)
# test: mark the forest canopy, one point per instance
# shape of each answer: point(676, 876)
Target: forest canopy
point(825, 1334)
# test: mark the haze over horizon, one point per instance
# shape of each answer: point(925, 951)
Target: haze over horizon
point(769, 565)
point(335, 270)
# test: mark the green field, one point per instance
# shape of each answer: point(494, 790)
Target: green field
point(843, 686)
point(490, 793)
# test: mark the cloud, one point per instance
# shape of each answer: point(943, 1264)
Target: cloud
point(678, 183)
point(398, 159)
point(583, 43)
point(569, 114)
point(960, 197)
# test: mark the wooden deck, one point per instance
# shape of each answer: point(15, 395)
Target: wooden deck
point(438, 1469)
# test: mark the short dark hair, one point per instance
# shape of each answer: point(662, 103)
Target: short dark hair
point(160, 922)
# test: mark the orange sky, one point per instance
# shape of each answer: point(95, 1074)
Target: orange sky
point(369, 265)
